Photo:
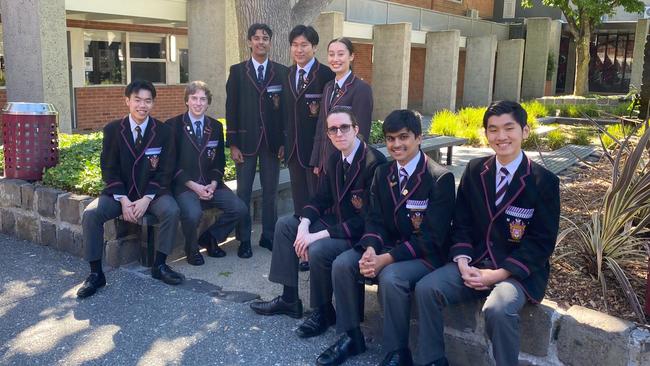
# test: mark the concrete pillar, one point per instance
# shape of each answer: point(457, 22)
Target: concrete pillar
point(638, 53)
point(329, 26)
point(212, 28)
point(479, 70)
point(36, 56)
point(538, 38)
point(571, 68)
point(77, 57)
point(390, 67)
point(510, 66)
point(554, 50)
point(441, 71)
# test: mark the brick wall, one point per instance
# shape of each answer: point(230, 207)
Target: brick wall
point(95, 106)
point(362, 64)
point(426, 4)
point(416, 76)
point(3, 96)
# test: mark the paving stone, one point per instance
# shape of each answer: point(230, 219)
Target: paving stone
point(26, 227)
point(48, 233)
point(463, 317)
point(462, 351)
point(588, 337)
point(70, 207)
point(537, 328)
point(8, 222)
point(69, 241)
point(10, 193)
point(641, 339)
point(27, 196)
point(46, 199)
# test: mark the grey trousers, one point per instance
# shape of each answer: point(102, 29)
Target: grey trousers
point(284, 262)
point(501, 310)
point(107, 208)
point(396, 284)
point(269, 178)
point(303, 183)
point(192, 207)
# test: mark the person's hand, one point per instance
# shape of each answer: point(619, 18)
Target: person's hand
point(211, 187)
point(140, 207)
point(471, 276)
point(371, 264)
point(316, 171)
point(127, 210)
point(236, 155)
point(281, 153)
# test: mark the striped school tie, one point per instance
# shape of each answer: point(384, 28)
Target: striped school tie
point(403, 178)
point(502, 187)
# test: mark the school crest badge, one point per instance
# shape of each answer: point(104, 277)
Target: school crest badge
point(517, 229)
point(357, 202)
point(314, 108)
point(153, 155)
point(276, 101)
point(416, 212)
point(153, 160)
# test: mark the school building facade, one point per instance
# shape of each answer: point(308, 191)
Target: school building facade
point(423, 54)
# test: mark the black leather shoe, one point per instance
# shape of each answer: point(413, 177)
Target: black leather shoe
point(278, 306)
point(245, 250)
point(303, 266)
point(210, 244)
point(350, 344)
point(266, 243)
point(92, 283)
point(400, 357)
point(166, 274)
point(317, 323)
point(195, 258)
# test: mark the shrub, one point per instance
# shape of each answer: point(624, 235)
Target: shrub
point(376, 133)
point(618, 131)
point(78, 169)
point(446, 123)
point(556, 139)
point(536, 110)
point(582, 136)
point(533, 142)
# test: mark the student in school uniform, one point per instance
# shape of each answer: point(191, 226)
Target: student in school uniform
point(346, 89)
point(304, 90)
point(406, 230)
point(329, 224)
point(255, 131)
point(504, 231)
point(198, 177)
point(137, 162)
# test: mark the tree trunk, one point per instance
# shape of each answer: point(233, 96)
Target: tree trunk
point(276, 14)
point(279, 15)
point(581, 85)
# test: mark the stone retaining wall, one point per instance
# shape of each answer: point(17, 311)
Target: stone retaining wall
point(550, 335)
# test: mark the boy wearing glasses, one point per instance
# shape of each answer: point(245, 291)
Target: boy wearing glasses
point(504, 231)
point(329, 224)
point(407, 224)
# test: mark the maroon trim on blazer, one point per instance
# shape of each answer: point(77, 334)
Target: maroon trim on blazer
point(518, 263)
point(313, 208)
point(350, 180)
point(343, 90)
point(373, 235)
point(125, 122)
point(486, 169)
point(117, 182)
point(427, 264)
point(178, 173)
point(414, 187)
point(347, 230)
point(261, 94)
point(468, 245)
point(312, 72)
point(391, 171)
point(410, 248)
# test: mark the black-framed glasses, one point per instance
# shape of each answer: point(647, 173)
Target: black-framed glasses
point(333, 131)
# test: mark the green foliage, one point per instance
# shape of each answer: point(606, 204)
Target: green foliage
point(2, 159)
point(550, 66)
point(618, 131)
point(78, 169)
point(556, 139)
point(535, 110)
point(467, 123)
point(533, 142)
point(582, 136)
point(376, 133)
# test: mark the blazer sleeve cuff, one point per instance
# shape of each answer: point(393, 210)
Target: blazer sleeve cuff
point(114, 188)
point(461, 249)
point(311, 212)
point(516, 268)
point(403, 252)
point(153, 188)
point(372, 240)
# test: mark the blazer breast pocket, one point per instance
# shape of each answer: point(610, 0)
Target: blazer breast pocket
point(313, 104)
point(274, 93)
point(518, 219)
point(153, 156)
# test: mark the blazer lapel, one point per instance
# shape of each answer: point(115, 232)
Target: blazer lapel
point(487, 180)
point(344, 89)
point(516, 186)
point(189, 131)
point(354, 170)
point(393, 182)
point(310, 77)
point(292, 81)
point(252, 75)
point(413, 182)
point(268, 76)
point(127, 136)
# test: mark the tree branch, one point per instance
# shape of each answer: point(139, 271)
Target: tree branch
point(306, 11)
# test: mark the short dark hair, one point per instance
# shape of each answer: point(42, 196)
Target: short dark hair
point(346, 42)
point(403, 118)
point(506, 107)
point(136, 85)
point(345, 110)
point(259, 26)
point(304, 30)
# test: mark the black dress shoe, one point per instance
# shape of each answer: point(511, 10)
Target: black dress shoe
point(278, 306)
point(350, 344)
point(244, 250)
point(266, 243)
point(166, 274)
point(317, 323)
point(195, 258)
point(92, 283)
point(400, 357)
point(210, 244)
point(303, 266)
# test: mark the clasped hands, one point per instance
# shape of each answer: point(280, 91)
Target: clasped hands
point(480, 279)
point(372, 263)
point(304, 238)
point(132, 211)
point(206, 192)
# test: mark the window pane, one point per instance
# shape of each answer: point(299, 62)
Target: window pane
point(184, 61)
point(148, 49)
point(104, 58)
point(152, 71)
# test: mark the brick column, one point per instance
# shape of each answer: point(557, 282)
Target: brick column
point(36, 56)
point(390, 67)
point(510, 65)
point(479, 70)
point(441, 71)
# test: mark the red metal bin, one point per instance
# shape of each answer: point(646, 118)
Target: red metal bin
point(31, 143)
